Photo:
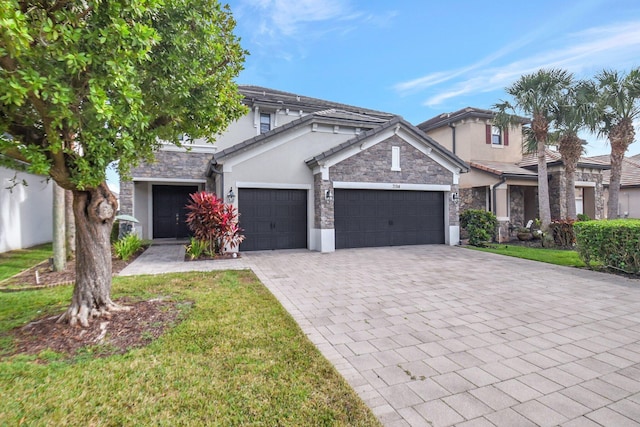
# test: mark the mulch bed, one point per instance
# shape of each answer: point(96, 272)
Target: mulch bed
point(125, 330)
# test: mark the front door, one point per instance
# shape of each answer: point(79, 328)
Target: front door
point(169, 211)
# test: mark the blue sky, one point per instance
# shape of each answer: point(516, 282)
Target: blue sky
point(421, 58)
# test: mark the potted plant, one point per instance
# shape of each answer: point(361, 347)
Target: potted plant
point(524, 234)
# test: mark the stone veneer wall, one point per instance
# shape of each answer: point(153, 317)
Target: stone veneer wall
point(324, 210)
point(516, 208)
point(473, 198)
point(557, 191)
point(374, 165)
point(169, 166)
point(593, 175)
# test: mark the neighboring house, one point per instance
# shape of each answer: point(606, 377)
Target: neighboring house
point(501, 179)
point(629, 197)
point(307, 173)
point(26, 215)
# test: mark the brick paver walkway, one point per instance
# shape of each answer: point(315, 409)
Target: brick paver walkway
point(435, 335)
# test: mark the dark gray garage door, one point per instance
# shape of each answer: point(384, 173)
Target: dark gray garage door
point(273, 219)
point(366, 218)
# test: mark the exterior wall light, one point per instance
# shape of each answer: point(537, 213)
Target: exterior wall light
point(328, 196)
point(455, 198)
point(231, 196)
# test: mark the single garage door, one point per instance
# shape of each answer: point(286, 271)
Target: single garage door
point(367, 218)
point(273, 219)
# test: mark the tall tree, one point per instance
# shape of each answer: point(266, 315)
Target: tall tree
point(534, 95)
point(568, 116)
point(616, 100)
point(84, 83)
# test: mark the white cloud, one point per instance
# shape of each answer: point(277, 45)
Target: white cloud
point(584, 53)
point(289, 17)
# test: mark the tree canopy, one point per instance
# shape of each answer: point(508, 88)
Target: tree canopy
point(85, 83)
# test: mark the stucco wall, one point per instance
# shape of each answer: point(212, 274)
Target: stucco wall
point(471, 142)
point(26, 212)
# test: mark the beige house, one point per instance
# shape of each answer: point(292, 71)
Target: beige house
point(501, 179)
point(307, 173)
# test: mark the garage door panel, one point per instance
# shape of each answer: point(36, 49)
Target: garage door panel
point(367, 218)
point(273, 218)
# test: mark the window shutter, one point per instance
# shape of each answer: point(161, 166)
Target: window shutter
point(506, 136)
point(488, 134)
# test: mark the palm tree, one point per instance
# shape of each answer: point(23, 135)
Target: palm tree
point(616, 99)
point(535, 95)
point(569, 116)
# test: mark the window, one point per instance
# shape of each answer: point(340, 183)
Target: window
point(265, 122)
point(395, 158)
point(496, 135)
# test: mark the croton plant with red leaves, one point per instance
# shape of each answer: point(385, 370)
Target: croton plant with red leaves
point(213, 222)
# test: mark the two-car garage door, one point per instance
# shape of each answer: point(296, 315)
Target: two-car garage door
point(277, 219)
point(365, 218)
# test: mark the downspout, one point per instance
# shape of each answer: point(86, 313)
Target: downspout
point(453, 138)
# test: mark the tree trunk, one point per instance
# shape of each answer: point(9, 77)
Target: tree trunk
point(570, 148)
point(620, 137)
point(617, 154)
point(59, 253)
point(570, 172)
point(70, 226)
point(94, 212)
point(544, 208)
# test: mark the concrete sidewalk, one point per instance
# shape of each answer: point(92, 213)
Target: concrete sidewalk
point(169, 258)
point(438, 336)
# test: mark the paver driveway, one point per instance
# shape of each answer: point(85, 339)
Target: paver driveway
point(436, 335)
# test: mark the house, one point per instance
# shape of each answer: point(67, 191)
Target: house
point(26, 216)
point(503, 180)
point(629, 196)
point(307, 173)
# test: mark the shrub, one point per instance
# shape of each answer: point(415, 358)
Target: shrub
point(127, 246)
point(562, 232)
point(614, 243)
point(481, 226)
point(196, 248)
point(583, 217)
point(214, 222)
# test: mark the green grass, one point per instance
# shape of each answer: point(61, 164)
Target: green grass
point(551, 256)
point(237, 359)
point(13, 262)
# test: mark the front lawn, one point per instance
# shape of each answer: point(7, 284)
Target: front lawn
point(237, 358)
point(551, 256)
point(13, 262)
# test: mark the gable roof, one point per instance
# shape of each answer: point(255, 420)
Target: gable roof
point(262, 96)
point(331, 116)
point(398, 122)
point(446, 119)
